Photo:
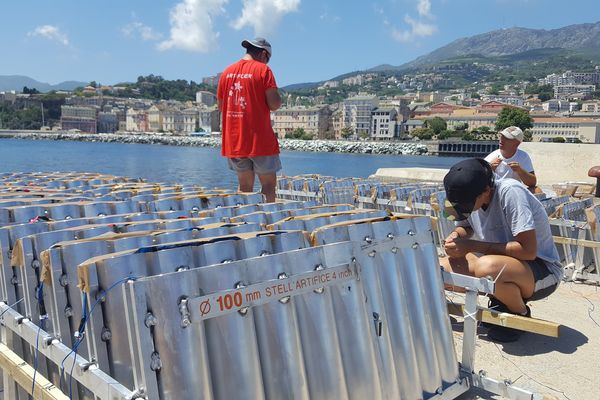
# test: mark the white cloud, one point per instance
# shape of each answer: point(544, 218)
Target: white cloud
point(145, 32)
point(264, 15)
point(424, 8)
point(192, 26)
point(51, 33)
point(418, 28)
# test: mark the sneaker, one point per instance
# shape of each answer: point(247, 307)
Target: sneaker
point(503, 334)
point(495, 305)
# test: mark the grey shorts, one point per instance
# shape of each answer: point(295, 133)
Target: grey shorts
point(545, 281)
point(262, 165)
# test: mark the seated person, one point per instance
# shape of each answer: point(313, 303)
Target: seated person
point(502, 231)
point(511, 162)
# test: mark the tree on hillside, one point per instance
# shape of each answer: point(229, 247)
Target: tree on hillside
point(511, 116)
point(436, 124)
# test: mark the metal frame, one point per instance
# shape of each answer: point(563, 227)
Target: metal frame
point(103, 386)
point(474, 286)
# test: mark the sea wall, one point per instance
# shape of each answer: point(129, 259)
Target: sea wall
point(552, 162)
point(330, 146)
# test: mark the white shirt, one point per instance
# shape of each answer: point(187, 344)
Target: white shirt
point(504, 170)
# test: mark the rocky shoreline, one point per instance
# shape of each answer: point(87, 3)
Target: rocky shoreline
point(324, 146)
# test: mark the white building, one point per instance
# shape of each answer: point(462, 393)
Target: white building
point(206, 98)
point(384, 124)
point(585, 129)
point(566, 91)
point(356, 114)
point(313, 120)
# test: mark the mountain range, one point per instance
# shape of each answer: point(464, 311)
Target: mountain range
point(17, 82)
point(505, 46)
point(503, 42)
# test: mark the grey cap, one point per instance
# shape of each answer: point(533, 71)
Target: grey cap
point(259, 42)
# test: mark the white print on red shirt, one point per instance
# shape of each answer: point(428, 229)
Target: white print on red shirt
point(235, 92)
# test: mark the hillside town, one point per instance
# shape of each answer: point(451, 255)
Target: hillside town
point(569, 110)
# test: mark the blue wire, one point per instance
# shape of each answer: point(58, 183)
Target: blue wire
point(35, 360)
point(81, 330)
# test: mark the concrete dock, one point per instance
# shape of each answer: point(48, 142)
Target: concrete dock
point(564, 368)
point(553, 163)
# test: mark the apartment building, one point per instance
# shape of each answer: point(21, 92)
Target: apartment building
point(205, 98)
point(209, 119)
point(136, 120)
point(566, 91)
point(385, 124)
point(314, 120)
point(585, 129)
point(84, 119)
point(179, 121)
point(591, 107)
point(108, 122)
point(155, 118)
point(356, 113)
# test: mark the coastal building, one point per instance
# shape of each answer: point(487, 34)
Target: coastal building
point(412, 124)
point(108, 122)
point(385, 124)
point(356, 112)
point(337, 123)
point(313, 120)
point(136, 120)
point(473, 121)
point(155, 118)
point(205, 98)
point(586, 130)
point(179, 121)
point(84, 119)
point(209, 119)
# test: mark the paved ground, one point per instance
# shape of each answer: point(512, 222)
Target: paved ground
point(563, 368)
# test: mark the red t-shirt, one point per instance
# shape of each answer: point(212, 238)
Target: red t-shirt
point(246, 118)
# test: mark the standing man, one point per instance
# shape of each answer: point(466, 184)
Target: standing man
point(511, 162)
point(246, 95)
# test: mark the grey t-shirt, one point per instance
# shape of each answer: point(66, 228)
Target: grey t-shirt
point(513, 210)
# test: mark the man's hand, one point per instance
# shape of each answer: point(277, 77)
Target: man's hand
point(455, 246)
point(494, 164)
point(515, 166)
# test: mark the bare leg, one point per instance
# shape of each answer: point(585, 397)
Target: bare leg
point(268, 184)
point(246, 181)
point(515, 283)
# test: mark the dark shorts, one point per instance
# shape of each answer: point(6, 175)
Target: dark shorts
point(545, 281)
point(262, 165)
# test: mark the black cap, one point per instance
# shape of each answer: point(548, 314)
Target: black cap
point(464, 182)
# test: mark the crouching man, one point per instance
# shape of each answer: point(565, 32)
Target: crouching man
point(501, 231)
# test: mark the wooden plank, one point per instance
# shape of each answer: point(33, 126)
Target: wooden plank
point(22, 373)
point(533, 325)
point(576, 242)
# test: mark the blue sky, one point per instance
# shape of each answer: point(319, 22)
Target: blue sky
point(114, 41)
